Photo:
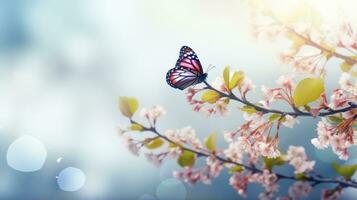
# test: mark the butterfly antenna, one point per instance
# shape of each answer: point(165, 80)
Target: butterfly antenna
point(210, 67)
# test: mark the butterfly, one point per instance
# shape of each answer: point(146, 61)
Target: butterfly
point(187, 71)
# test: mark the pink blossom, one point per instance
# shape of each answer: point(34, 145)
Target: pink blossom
point(340, 136)
point(290, 121)
point(338, 99)
point(268, 181)
point(299, 190)
point(270, 94)
point(347, 85)
point(286, 81)
point(240, 183)
point(297, 158)
point(154, 159)
point(246, 86)
point(186, 135)
point(214, 166)
point(153, 113)
point(234, 152)
point(131, 146)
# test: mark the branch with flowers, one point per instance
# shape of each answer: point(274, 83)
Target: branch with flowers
point(253, 152)
point(186, 148)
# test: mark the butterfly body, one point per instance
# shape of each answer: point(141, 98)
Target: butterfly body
point(187, 71)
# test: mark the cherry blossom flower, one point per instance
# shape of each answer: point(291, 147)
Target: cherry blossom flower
point(338, 99)
point(340, 136)
point(297, 158)
point(286, 81)
point(299, 190)
point(131, 145)
point(268, 181)
point(186, 135)
point(234, 152)
point(154, 159)
point(347, 85)
point(214, 166)
point(240, 183)
point(153, 113)
point(246, 86)
point(290, 121)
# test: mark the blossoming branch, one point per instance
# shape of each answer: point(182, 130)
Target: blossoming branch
point(186, 148)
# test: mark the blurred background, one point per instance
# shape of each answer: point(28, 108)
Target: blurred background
point(63, 65)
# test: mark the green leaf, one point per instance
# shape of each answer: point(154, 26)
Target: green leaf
point(335, 119)
point(346, 66)
point(308, 90)
point(237, 79)
point(186, 159)
point(211, 141)
point(210, 96)
point(307, 108)
point(136, 127)
point(235, 169)
point(269, 163)
point(154, 143)
point(172, 145)
point(248, 109)
point(346, 171)
point(274, 117)
point(226, 74)
point(301, 176)
point(128, 106)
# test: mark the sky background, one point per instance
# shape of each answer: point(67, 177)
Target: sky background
point(63, 65)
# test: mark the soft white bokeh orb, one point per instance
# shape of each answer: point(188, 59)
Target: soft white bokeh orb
point(26, 154)
point(147, 197)
point(71, 179)
point(172, 189)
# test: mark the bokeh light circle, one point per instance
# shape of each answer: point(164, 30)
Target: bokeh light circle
point(71, 179)
point(172, 189)
point(26, 154)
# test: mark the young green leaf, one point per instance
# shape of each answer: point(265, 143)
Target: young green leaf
point(301, 176)
point(226, 76)
point(154, 143)
point(274, 117)
point(346, 66)
point(335, 119)
point(211, 141)
point(136, 127)
point(248, 109)
point(210, 96)
point(346, 171)
point(269, 163)
point(308, 90)
point(128, 106)
point(186, 159)
point(235, 169)
point(237, 79)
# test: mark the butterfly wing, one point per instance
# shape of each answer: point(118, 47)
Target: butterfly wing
point(188, 59)
point(181, 78)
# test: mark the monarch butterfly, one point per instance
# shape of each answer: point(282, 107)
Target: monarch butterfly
point(187, 71)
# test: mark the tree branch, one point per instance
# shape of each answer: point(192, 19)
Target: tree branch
point(315, 180)
point(296, 112)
